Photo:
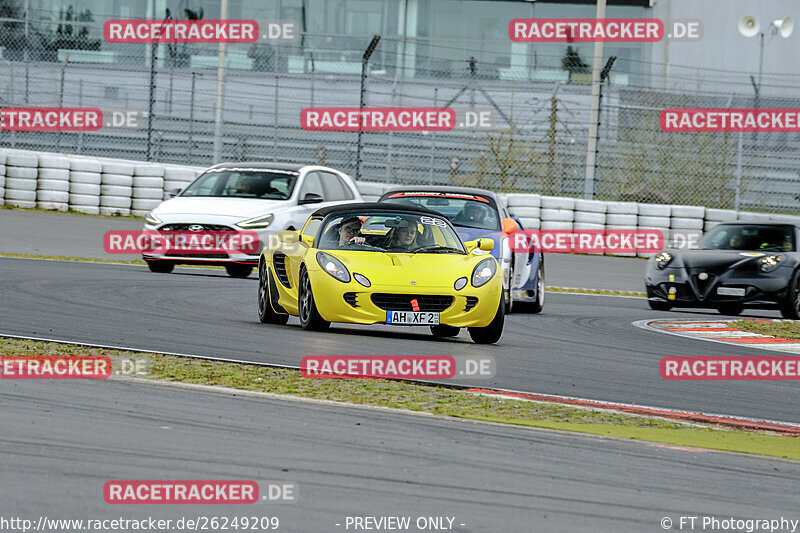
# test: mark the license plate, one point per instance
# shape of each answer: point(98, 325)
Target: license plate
point(412, 318)
point(730, 291)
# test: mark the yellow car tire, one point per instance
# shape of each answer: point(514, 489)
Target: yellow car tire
point(491, 333)
point(310, 319)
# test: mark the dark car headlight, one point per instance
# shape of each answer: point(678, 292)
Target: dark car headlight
point(333, 266)
point(662, 260)
point(484, 272)
point(770, 263)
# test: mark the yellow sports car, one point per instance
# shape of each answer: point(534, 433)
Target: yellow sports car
point(382, 263)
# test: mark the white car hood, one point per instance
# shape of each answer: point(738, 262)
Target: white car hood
point(236, 208)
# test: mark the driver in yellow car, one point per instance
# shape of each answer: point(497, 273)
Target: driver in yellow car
point(350, 231)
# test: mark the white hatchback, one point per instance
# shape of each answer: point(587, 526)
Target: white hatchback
point(256, 196)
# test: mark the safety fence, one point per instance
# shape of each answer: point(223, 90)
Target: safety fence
point(96, 185)
point(539, 98)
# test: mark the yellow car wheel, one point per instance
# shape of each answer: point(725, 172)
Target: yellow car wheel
point(491, 333)
point(444, 331)
point(265, 312)
point(310, 318)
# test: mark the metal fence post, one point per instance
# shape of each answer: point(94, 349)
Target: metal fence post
point(364, 62)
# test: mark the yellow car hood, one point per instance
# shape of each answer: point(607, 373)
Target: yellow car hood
point(407, 270)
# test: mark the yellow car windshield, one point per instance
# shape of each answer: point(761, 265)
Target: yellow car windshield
point(395, 232)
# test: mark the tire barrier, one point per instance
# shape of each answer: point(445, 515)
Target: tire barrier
point(120, 187)
point(176, 177)
point(148, 189)
point(2, 179)
point(21, 171)
point(52, 187)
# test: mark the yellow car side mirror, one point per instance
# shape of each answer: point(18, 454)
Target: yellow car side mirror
point(307, 240)
point(487, 245)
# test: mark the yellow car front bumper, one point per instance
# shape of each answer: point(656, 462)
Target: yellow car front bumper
point(352, 302)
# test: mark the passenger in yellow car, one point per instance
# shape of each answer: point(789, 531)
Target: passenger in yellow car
point(403, 239)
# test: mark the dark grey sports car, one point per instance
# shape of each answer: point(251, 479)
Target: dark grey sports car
point(739, 264)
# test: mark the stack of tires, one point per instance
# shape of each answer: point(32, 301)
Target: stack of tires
point(20, 183)
point(655, 216)
point(371, 191)
point(527, 208)
point(785, 219)
point(53, 182)
point(84, 185)
point(746, 216)
point(116, 188)
point(176, 177)
point(621, 216)
point(557, 214)
point(715, 216)
point(688, 220)
point(2, 178)
point(148, 189)
point(590, 215)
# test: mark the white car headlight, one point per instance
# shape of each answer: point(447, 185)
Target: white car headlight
point(770, 263)
point(151, 219)
point(483, 272)
point(662, 260)
point(262, 221)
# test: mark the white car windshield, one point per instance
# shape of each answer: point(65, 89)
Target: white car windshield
point(265, 184)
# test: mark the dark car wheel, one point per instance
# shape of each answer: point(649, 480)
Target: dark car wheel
point(161, 267)
point(265, 313)
point(491, 333)
point(310, 318)
point(657, 305)
point(238, 271)
point(732, 309)
point(790, 307)
point(444, 331)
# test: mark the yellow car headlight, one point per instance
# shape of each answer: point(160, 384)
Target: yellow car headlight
point(484, 272)
point(333, 266)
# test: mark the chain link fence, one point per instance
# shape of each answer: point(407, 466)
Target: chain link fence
point(541, 116)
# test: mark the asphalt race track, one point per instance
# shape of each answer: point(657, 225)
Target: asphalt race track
point(32, 232)
point(58, 453)
point(583, 346)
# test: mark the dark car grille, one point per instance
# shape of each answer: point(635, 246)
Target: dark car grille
point(279, 262)
point(185, 227)
point(472, 301)
point(351, 298)
point(402, 302)
point(703, 285)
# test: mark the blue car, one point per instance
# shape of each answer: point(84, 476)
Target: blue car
point(477, 213)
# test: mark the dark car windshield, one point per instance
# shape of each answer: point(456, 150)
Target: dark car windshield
point(266, 184)
point(395, 232)
point(465, 210)
point(750, 237)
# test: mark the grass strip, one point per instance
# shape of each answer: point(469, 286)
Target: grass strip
point(788, 329)
point(606, 292)
point(433, 399)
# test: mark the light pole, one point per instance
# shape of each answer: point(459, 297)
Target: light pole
point(749, 26)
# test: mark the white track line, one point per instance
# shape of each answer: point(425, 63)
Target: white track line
point(645, 324)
